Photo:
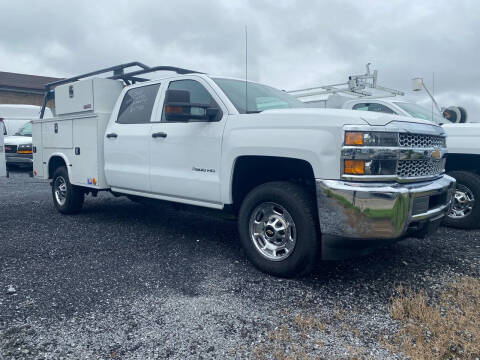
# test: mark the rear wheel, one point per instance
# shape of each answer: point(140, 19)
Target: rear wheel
point(67, 198)
point(278, 229)
point(465, 211)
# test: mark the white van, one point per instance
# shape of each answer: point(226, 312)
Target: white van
point(13, 116)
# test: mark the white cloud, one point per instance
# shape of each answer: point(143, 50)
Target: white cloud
point(292, 44)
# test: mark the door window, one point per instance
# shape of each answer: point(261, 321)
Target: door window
point(376, 107)
point(198, 95)
point(137, 105)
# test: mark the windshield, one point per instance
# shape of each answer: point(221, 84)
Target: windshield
point(420, 112)
point(260, 97)
point(25, 130)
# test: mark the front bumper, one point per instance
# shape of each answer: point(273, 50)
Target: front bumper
point(14, 158)
point(369, 211)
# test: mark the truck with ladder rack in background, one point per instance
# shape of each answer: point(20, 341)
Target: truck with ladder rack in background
point(463, 158)
point(302, 182)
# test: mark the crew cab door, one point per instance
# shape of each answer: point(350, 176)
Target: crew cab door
point(185, 154)
point(127, 140)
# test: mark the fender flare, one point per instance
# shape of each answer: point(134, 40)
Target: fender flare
point(65, 159)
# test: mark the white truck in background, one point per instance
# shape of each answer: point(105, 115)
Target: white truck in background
point(463, 158)
point(15, 126)
point(3, 163)
point(14, 116)
point(300, 180)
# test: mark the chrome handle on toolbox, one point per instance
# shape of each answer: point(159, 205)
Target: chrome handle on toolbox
point(112, 135)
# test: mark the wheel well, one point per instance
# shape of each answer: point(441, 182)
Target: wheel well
point(467, 162)
point(54, 163)
point(251, 171)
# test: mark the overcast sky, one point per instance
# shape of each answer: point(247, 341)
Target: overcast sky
point(292, 44)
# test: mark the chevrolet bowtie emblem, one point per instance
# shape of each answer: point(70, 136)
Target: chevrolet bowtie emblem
point(436, 155)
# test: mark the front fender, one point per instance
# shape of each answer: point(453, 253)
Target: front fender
point(319, 147)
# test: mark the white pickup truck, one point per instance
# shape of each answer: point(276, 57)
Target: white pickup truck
point(302, 181)
point(463, 158)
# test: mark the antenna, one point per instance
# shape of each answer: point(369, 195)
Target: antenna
point(246, 70)
point(433, 91)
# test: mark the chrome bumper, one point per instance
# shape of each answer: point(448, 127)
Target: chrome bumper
point(356, 210)
point(13, 158)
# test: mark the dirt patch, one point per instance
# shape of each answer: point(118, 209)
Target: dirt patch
point(443, 325)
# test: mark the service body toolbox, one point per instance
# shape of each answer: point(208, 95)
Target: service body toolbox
point(83, 109)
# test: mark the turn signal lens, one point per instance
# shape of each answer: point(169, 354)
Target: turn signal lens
point(354, 167)
point(173, 109)
point(353, 138)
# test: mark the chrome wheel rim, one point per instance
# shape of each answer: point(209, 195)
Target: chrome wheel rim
point(463, 203)
point(60, 189)
point(273, 231)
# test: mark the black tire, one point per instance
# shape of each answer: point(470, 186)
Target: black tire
point(74, 195)
point(470, 181)
point(300, 205)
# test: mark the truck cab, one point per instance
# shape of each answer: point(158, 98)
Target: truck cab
point(302, 182)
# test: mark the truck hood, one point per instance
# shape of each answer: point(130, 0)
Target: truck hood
point(465, 129)
point(462, 138)
point(370, 118)
point(17, 140)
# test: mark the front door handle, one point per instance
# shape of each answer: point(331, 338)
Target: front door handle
point(159, 134)
point(112, 135)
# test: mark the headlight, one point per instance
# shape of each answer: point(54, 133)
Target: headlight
point(24, 149)
point(369, 153)
point(370, 138)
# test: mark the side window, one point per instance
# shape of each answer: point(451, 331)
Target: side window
point(137, 105)
point(380, 108)
point(363, 107)
point(198, 95)
point(373, 107)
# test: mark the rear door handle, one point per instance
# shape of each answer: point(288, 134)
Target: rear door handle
point(159, 134)
point(112, 135)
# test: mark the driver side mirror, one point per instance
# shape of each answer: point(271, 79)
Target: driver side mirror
point(179, 108)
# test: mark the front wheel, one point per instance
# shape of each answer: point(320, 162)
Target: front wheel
point(465, 210)
point(278, 229)
point(67, 198)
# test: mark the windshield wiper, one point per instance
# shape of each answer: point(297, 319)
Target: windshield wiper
point(253, 112)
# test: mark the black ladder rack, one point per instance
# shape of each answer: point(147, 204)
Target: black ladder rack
point(118, 73)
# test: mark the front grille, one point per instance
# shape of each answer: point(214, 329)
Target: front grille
point(10, 148)
point(416, 168)
point(421, 141)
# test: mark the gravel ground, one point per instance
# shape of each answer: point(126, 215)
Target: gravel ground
point(127, 281)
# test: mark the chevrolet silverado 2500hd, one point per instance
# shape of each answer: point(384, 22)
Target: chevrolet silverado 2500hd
point(301, 180)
